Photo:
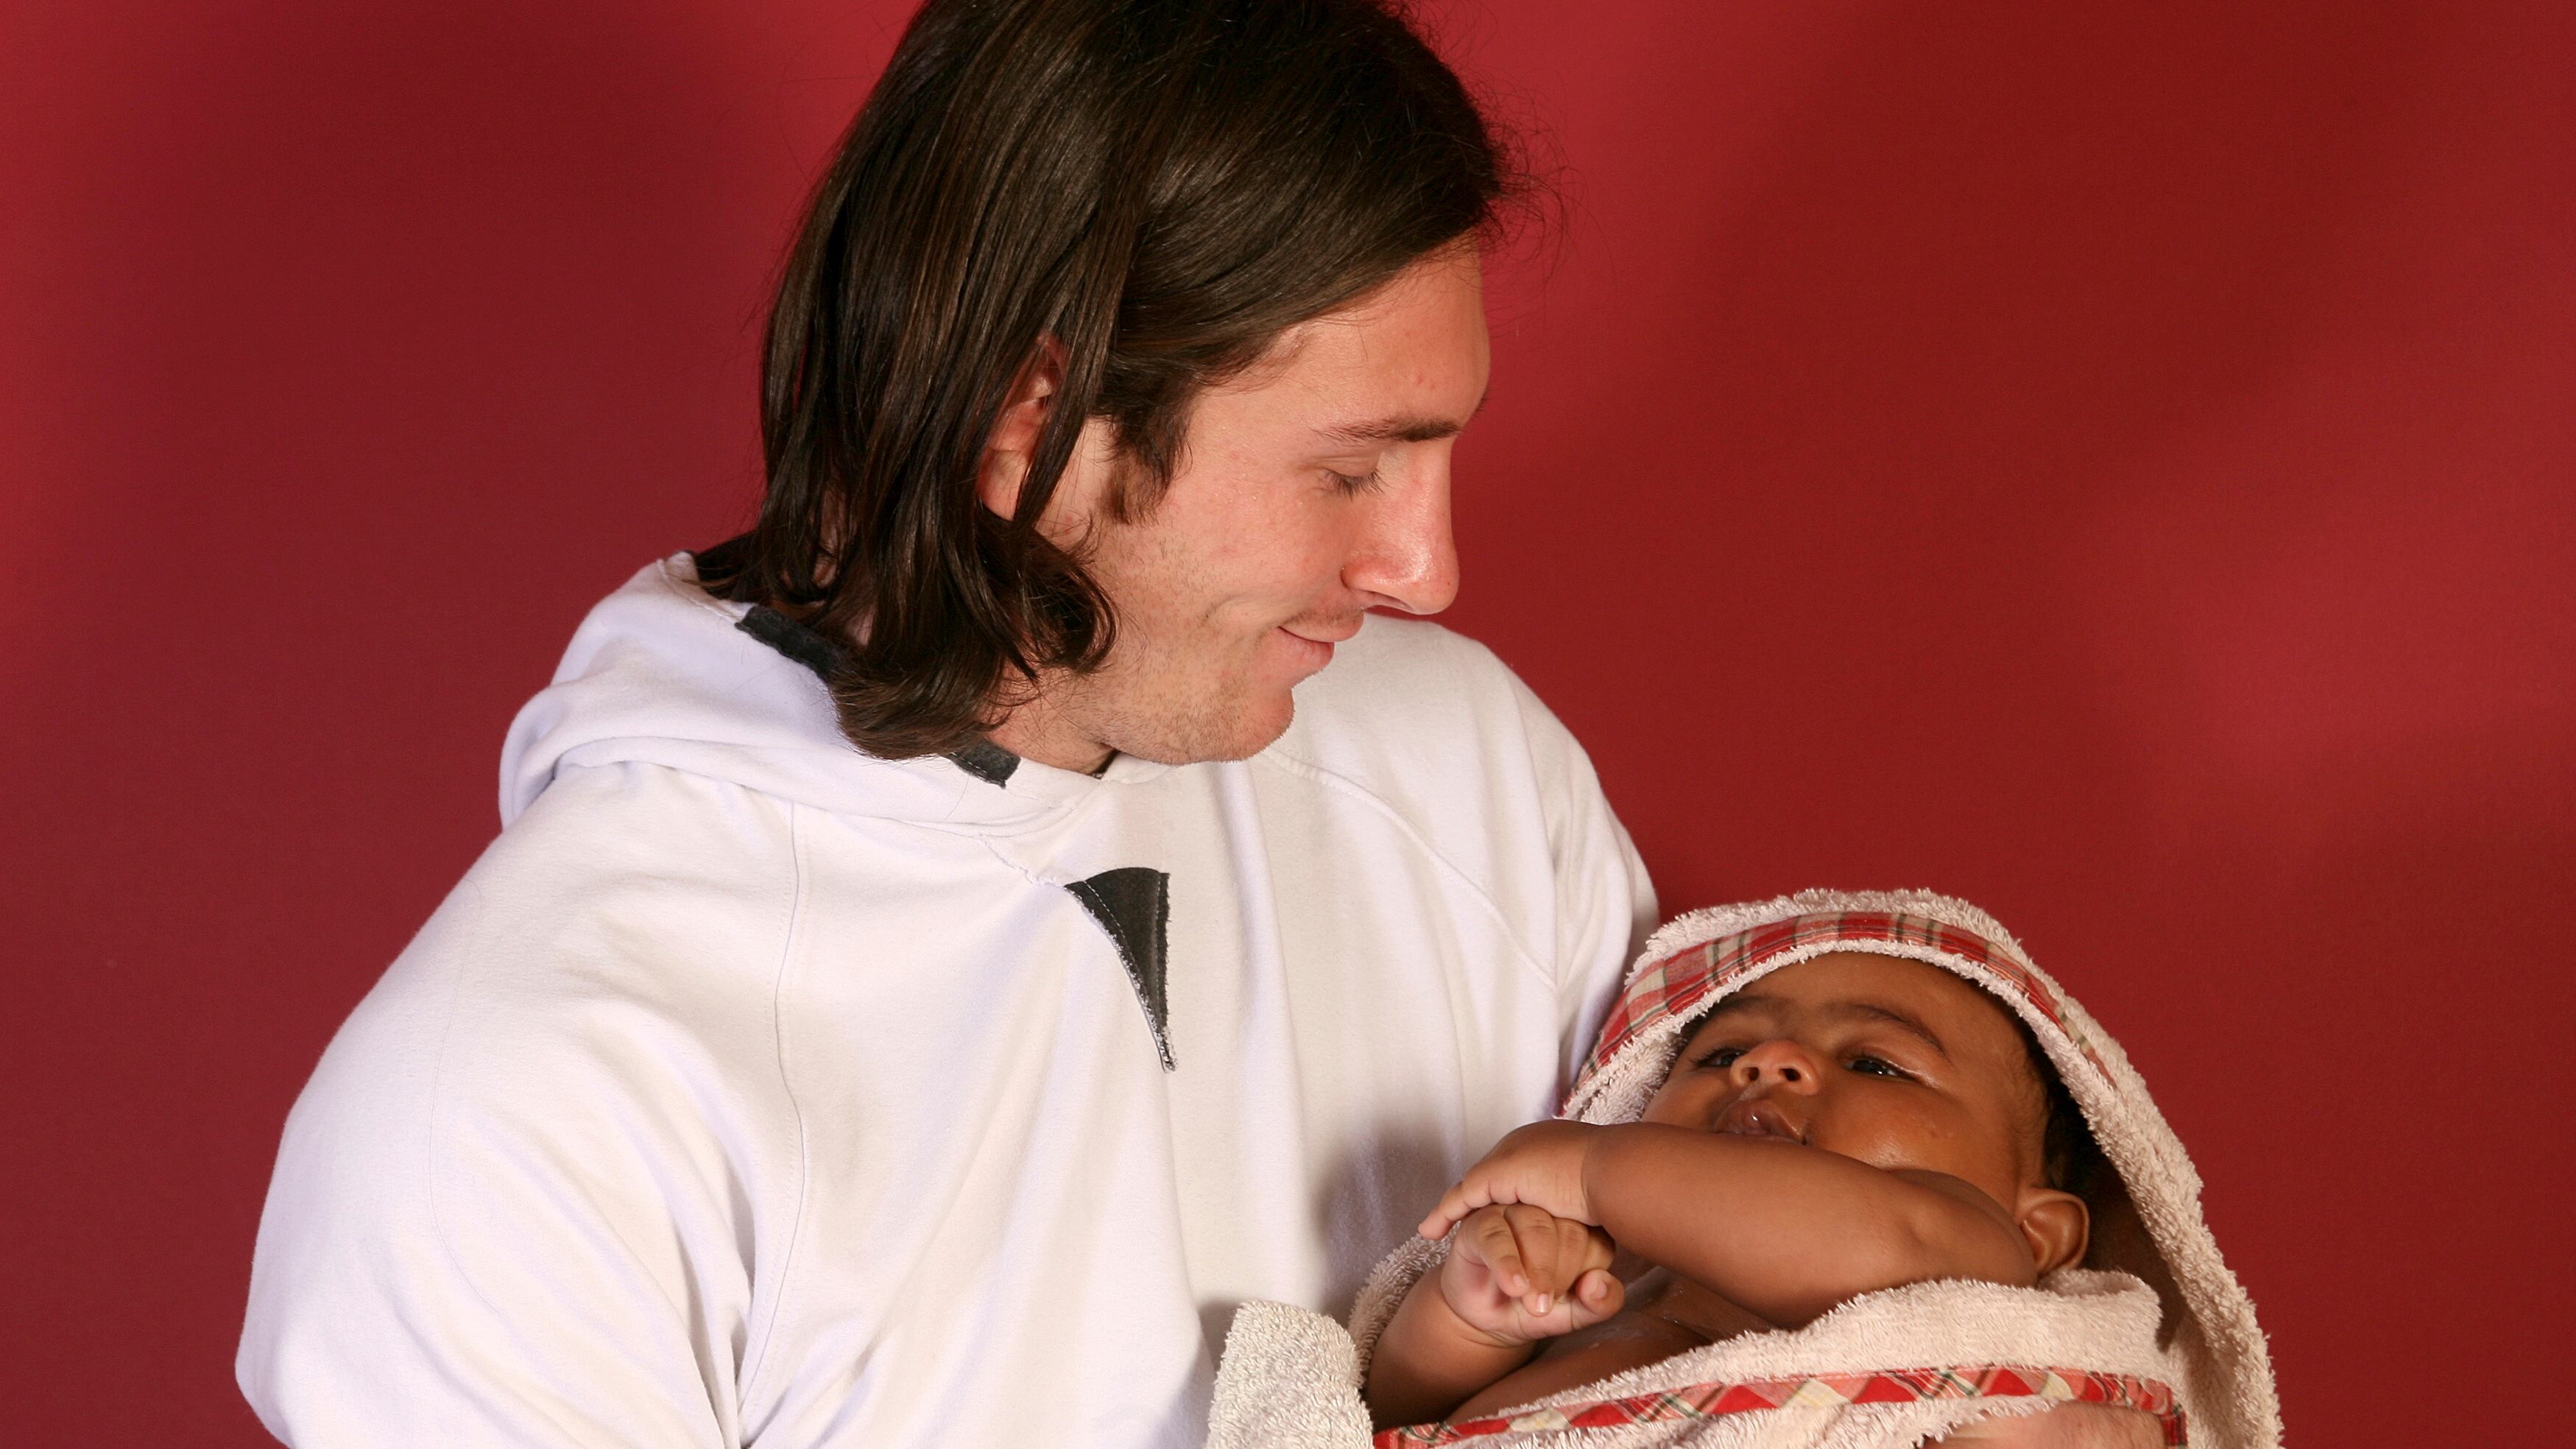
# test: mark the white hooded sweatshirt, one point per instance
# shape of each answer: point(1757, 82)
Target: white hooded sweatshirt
point(752, 1090)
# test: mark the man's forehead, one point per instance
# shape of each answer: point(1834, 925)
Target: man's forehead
point(1374, 362)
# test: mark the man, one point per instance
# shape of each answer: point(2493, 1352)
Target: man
point(951, 944)
point(934, 966)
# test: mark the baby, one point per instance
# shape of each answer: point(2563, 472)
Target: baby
point(1850, 1122)
point(1845, 1167)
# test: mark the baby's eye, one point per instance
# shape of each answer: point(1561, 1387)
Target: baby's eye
point(1877, 1067)
point(1722, 1057)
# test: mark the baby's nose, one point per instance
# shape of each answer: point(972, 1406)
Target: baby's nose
point(1785, 1065)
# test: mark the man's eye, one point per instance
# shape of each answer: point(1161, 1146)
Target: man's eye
point(1877, 1067)
point(1356, 482)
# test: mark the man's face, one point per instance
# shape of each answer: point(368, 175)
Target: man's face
point(1890, 1061)
point(1311, 488)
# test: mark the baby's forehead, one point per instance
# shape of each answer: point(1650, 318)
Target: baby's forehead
point(1961, 1018)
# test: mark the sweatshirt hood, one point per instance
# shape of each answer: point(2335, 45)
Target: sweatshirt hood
point(662, 673)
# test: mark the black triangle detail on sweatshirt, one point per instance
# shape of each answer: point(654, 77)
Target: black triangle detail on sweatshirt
point(1133, 904)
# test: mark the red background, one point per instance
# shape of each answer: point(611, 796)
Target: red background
point(2115, 466)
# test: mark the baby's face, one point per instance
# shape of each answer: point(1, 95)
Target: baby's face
point(1890, 1061)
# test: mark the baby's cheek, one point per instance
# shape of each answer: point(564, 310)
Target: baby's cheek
point(1682, 1102)
point(1978, 1153)
point(1893, 1139)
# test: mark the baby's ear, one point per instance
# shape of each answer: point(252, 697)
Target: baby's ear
point(2056, 1224)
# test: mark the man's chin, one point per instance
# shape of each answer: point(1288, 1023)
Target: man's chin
point(1275, 723)
point(1239, 736)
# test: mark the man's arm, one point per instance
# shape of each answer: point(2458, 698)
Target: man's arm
point(1786, 1231)
point(519, 1200)
point(470, 1271)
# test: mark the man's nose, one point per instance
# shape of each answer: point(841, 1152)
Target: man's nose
point(1783, 1066)
point(1406, 557)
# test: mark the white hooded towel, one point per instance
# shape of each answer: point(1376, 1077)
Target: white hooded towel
point(2152, 1320)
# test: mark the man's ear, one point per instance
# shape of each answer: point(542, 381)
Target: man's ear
point(1013, 443)
point(2056, 1224)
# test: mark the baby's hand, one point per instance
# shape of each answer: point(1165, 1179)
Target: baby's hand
point(1541, 1165)
point(1518, 1273)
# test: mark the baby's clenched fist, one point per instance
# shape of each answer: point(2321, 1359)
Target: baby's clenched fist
point(1518, 1273)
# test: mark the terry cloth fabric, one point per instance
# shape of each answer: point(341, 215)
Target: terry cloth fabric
point(2152, 1320)
point(752, 1089)
point(1886, 1369)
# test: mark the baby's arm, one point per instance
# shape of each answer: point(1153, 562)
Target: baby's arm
point(1783, 1230)
point(1514, 1274)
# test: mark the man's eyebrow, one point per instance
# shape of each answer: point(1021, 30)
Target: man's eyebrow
point(1872, 1011)
point(1400, 428)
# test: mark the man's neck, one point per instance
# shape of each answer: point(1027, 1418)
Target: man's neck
point(1037, 731)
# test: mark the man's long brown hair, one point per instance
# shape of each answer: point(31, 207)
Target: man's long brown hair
point(1160, 187)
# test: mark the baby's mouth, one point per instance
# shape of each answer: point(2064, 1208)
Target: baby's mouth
point(1758, 1118)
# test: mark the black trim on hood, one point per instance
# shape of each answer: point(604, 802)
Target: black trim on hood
point(821, 653)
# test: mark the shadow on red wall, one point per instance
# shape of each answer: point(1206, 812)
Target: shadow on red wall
point(2118, 468)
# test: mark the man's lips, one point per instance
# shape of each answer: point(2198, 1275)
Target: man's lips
point(1327, 635)
point(1314, 642)
point(1754, 1117)
point(1309, 654)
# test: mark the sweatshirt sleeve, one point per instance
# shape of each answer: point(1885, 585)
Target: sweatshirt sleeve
point(1605, 904)
point(515, 1204)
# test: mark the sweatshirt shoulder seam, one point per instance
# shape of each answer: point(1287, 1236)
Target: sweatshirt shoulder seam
point(768, 1328)
point(1343, 785)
